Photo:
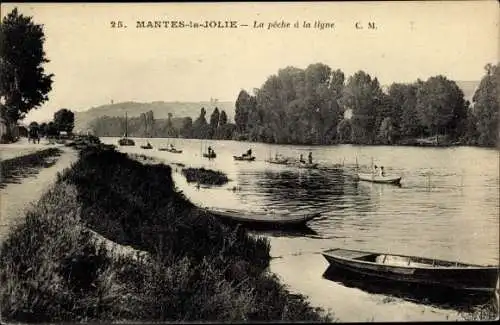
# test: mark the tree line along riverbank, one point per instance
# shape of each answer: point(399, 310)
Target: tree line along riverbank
point(193, 267)
point(319, 106)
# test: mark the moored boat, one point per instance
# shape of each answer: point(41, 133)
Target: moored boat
point(279, 160)
point(247, 158)
point(147, 146)
point(125, 141)
point(264, 218)
point(412, 269)
point(172, 150)
point(379, 179)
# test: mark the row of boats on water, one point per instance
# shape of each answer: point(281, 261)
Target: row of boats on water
point(370, 266)
point(377, 265)
point(373, 177)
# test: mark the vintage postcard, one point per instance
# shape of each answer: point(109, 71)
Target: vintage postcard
point(249, 162)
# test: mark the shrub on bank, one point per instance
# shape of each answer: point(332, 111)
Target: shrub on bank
point(198, 269)
point(205, 176)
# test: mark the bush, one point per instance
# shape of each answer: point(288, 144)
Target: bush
point(205, 176)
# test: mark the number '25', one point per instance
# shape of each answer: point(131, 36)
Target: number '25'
point(117, 24)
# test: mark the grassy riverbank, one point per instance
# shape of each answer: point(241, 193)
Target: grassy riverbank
point(197, 268)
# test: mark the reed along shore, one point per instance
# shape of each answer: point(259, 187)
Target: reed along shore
point(191, 266)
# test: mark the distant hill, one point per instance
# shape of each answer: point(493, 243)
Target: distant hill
point(160, 111)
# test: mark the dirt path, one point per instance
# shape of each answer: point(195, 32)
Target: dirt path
point(22, 148)
point(15, 198)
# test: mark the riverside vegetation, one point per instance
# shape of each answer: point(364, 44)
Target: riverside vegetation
point(195, 268)
point(204, 176)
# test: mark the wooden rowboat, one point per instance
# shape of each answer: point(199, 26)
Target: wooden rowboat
point(172, 150)
point(412, 269)
point(279, 161)
point(147, 147)
point(247, 158)
point(263, 218)
point(379, 179)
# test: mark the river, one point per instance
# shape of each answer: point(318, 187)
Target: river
point(447, 207)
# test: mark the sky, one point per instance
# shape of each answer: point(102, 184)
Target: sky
point(94, 64)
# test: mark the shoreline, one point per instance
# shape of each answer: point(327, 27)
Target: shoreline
point(447, 145)
point(198, 268)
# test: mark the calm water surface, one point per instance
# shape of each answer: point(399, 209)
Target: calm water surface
point(447, 207)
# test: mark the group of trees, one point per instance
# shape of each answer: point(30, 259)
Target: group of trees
point(147, 126)
point(64, 120)
point(308, 107)
point(24, 85)
point(218, 126)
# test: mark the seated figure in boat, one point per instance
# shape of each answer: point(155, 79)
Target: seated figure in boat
point(310, 157)
point(248, 153)
point(375, 170)
point(382, 172)
point(172, 146)
point(302, 159)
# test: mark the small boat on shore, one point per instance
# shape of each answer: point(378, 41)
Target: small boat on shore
point(171, 150)
point(412, 269)
point(147, 146)
point(380, 179)
point(264, 218)
point(245, 158)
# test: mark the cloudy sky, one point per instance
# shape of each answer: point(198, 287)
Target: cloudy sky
point(94, 63)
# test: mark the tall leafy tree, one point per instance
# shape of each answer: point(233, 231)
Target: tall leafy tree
point(24, 85)
point(214, 122)
point(43, 129)
point(222, 118)
point(64, 120)
point(363, 95)
point(200, 126)
point(242, 108)
point(441, 104)
point(487, 105)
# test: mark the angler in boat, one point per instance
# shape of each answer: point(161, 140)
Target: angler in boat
point(147, 146)
point(310, 157)
point(378, 175)
point(211, 153)
point(246, 156)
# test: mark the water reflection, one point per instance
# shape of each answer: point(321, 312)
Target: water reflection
point(447, 207)
point(302, 231)
point(424, 294)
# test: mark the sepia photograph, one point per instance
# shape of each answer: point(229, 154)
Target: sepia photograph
point(246, 162)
